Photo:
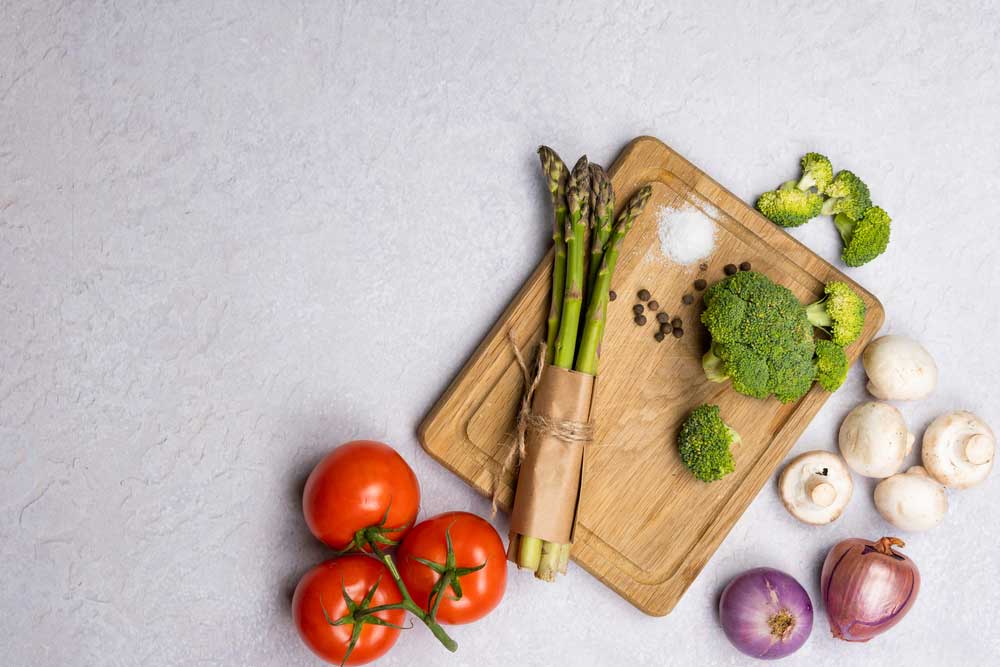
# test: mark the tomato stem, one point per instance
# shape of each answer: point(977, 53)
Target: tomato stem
point(408, 604)
point(371, 535)
point(444, 583)
point(449, 575)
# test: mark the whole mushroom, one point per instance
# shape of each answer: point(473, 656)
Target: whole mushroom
point(899, 369)
point(815, 487)
point(874, 439)
point(958, 449)
point(912, 500)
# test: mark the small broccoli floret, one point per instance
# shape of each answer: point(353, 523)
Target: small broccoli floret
point(847, 194)
point(762, 340)
point(704, 441)
point(841, 313)
point(817, 172)
point(865, 238)
point(790, 207)
point(831, 365)
point(794, 203)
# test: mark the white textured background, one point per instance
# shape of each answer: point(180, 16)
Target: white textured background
point(235, 234)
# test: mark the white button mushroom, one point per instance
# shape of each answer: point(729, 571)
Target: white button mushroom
point(874, 439)
point(899, 369)
point(912, 500)
point(815, 487)
point(959, 449)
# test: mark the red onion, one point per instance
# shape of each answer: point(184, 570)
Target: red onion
point(867, 587)
point(765, 613)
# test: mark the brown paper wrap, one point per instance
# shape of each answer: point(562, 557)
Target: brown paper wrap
point(551, 474)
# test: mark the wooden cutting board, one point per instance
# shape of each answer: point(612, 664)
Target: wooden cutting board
point(646, 525)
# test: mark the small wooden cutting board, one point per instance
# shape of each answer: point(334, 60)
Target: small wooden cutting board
point(646, 525)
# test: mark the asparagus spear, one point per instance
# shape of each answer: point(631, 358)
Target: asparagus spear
point(603, 210)
point(606, 213)
point(529, 553)
point(590, 340)
point(564, 189)
point(575, 233)
point(581, 174)
point(564, 558)
point(535, 554)
point(556, 174)
point(548, 564)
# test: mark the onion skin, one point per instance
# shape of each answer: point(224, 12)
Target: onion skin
point(766, 613)
point(867, 587)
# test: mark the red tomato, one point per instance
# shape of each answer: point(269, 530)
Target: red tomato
point(352, 488)
point(320, 589)
point(474, 541)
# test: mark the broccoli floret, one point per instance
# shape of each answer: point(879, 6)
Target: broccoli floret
point(790, 207)
point(841, 313)
point(817, 172)
point(847, 194)
point(831, 365)
point(762, 340)
point(864, 238)
point(794, 203)
point(748, 370)
point(704, 441)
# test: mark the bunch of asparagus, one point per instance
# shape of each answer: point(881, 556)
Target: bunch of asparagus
point(587, 243)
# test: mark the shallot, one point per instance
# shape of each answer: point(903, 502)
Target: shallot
point(867, 587)
point(766, 613)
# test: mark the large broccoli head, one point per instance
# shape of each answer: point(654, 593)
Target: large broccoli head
point(841, 313)
point(831, 365)
point(704, 441)
point(866, 237)
point(847, 194)
point(762, 340)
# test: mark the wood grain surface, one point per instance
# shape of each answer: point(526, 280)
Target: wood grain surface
point(646, 525)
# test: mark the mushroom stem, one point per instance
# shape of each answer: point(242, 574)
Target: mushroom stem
point(820, 491)
point(978, 449)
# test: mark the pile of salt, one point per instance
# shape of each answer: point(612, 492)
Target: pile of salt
point(686, 234)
